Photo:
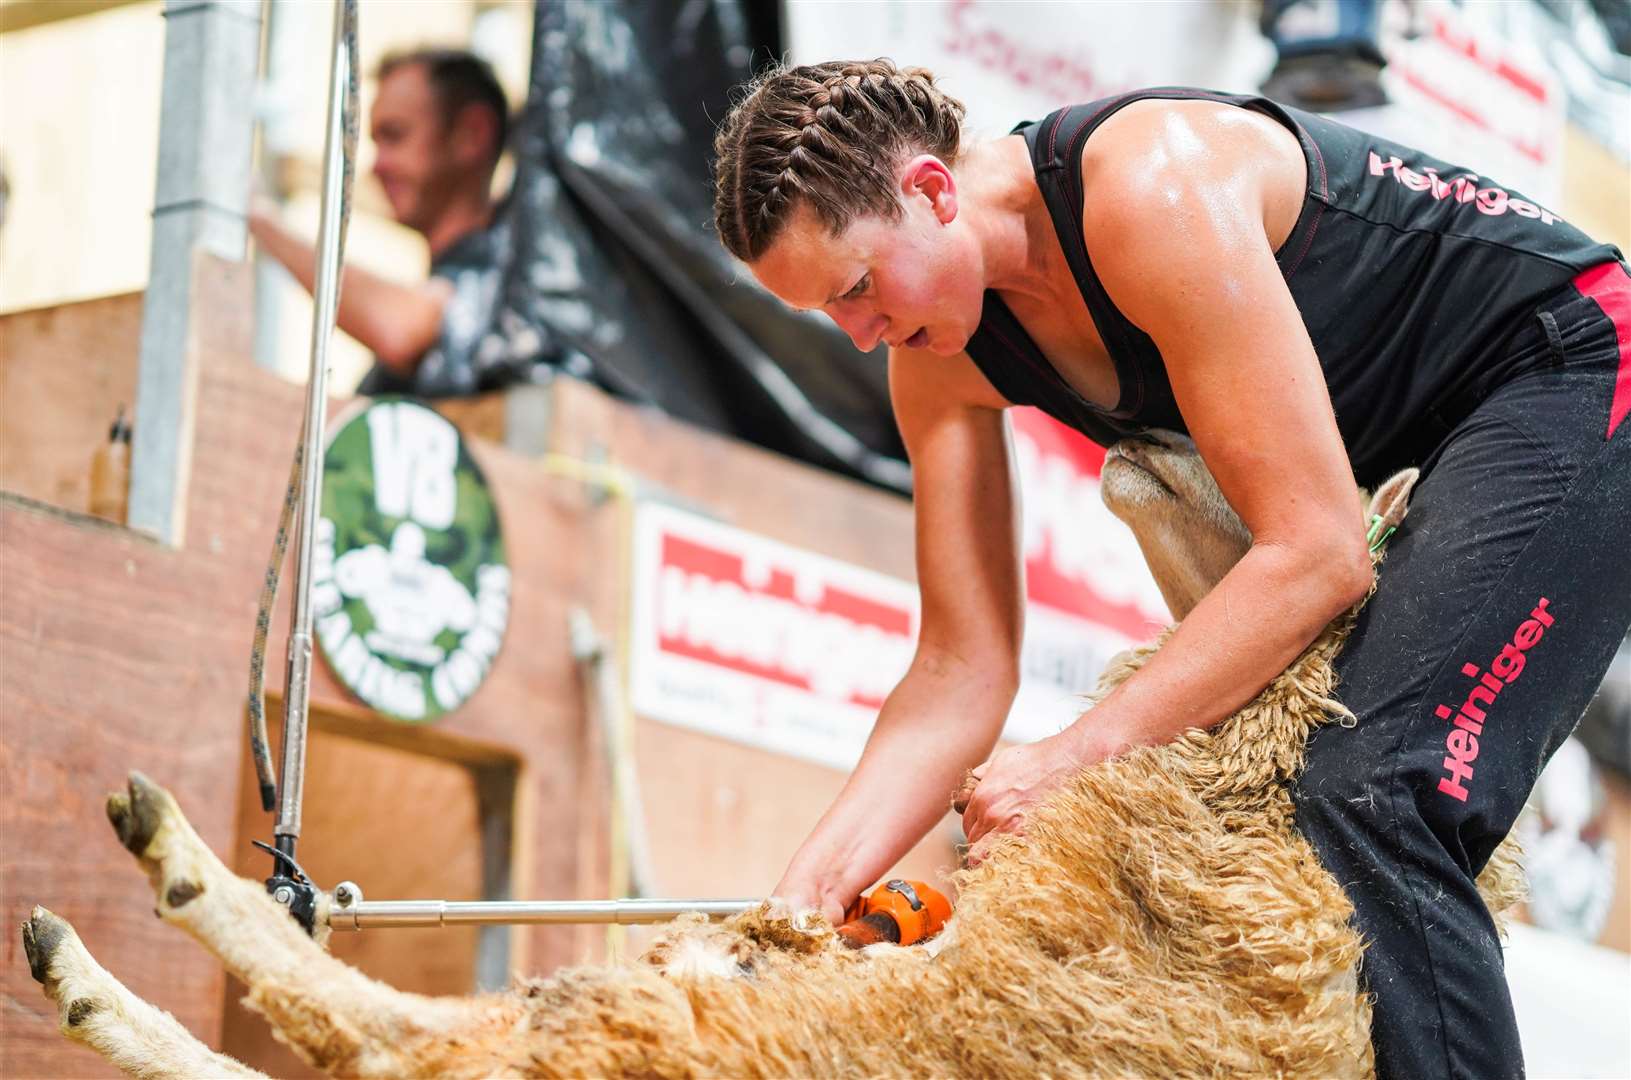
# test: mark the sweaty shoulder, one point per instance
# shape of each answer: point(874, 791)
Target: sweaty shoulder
point(1157, 160)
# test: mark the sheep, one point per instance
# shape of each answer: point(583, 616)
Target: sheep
point(1159, 916)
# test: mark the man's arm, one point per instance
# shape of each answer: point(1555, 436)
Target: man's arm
point(948, 710)
point(397, 323)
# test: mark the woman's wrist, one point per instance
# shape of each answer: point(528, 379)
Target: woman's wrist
point(1095, 736)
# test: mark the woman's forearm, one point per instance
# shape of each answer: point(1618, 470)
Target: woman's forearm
point(1242, 634)
point(934, 726)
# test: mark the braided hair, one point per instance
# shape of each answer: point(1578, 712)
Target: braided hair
point(830, 136)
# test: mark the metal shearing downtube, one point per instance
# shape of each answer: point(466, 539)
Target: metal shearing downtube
point(350, 911)
point(338, 148)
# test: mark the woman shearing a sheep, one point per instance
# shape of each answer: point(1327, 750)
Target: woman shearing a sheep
point(1316, 308)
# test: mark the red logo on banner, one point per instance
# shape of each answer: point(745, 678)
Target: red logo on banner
point(1079, 559)
point(716, 606)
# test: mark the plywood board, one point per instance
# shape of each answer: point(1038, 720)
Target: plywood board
point(64, 372)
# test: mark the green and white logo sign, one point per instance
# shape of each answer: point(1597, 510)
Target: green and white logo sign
point(410, 591)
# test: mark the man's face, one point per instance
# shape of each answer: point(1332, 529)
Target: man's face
point(415, 161)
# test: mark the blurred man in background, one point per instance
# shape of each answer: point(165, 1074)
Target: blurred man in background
point(439, 124)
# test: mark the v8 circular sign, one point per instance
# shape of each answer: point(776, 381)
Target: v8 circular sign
point(410, 589)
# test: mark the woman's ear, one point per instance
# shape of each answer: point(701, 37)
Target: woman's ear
point(927, 177)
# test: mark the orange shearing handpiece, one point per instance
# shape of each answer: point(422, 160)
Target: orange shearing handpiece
point(901, 912)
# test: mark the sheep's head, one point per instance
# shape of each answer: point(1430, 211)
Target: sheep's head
point(1190, 535)
point(1157, 483)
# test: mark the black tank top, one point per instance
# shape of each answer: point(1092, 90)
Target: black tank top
point(1411, 274)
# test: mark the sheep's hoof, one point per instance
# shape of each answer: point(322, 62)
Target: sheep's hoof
point(137, 815)
point(42, 934)
point(72, 979)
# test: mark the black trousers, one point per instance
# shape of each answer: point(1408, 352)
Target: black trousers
point(1502, 599)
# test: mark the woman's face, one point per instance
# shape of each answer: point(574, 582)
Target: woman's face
point(915, 283)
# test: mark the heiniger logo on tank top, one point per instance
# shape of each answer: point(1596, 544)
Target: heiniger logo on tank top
point(1492, 201)
point(1467, 723)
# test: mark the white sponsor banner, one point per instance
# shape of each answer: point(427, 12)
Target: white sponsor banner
point(1464, 91)
point(1463, 86)
point(1014, 60)
point(1063, 657)
point(757, 641)
point(778, 647)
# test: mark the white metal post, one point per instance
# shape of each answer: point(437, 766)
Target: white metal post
point(210, 52)
point(327, 294)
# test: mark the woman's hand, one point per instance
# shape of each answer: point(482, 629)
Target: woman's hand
point(803, 893)
point(1016, 779)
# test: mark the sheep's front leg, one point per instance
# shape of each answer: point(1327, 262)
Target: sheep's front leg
point(96, 1010)
point(335, 1017)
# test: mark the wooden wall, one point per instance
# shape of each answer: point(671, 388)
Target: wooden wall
point(63, 374)
point(117, 653)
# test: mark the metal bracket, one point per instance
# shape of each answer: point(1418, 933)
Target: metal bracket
point(896, 885)
point(294, 890)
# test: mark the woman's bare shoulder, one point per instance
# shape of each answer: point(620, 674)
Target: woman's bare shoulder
point(1155, 155)
point(1185, 129)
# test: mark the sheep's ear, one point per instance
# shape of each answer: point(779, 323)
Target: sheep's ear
point(1390, 504)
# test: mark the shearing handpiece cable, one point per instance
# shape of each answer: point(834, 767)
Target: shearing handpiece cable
point(305, 480)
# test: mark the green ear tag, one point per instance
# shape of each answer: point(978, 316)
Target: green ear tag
point(1376, 536)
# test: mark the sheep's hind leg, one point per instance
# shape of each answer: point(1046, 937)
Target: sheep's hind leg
point(335, 1017)
point(96, 1010)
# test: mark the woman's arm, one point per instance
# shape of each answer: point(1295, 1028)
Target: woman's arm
point(947, 711)
point(1180, 245)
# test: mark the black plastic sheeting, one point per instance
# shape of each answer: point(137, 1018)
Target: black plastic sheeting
point(615, 274)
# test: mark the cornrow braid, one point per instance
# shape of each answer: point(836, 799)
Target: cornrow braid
point(830, 136)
